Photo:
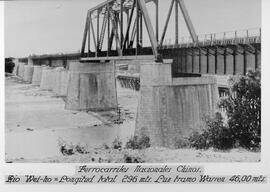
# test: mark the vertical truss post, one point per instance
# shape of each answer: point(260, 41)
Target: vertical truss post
point(200, 60)
point(137, 26)
point(207, 61)
point(245, 61)
point(225, 61)
point(98, 11)
point(116, 35)
point(256, 57)
point(176, 24)
point(157, 22)
point(89, 48)
point(216, 60)
point(234, 61)
point(121, 24)
point(108, 30)
point(128, 26)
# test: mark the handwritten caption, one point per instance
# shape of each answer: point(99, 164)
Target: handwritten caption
point(138, 174)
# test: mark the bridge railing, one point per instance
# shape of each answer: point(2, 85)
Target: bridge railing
point(247, 36)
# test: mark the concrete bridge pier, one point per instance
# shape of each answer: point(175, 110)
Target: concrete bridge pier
point(30, 61)
point(28, 73)
point(16, 67)
point(91, 86)
point(21, 69)
point(37, 75)
point(61, 82)
point(47, 78)
point(170, 109)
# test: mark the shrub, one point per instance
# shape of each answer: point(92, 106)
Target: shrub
point(136, 142)
point(215, 135)
point(117, 144)
point(133, 158)
point(181, 142)
point(70, 149)
point(243, 108)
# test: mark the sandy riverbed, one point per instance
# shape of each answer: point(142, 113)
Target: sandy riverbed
point(36, 123)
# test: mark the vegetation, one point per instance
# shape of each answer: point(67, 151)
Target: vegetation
point(243, 109)
point(136, 142)
point(215, 135)
point(9, 65)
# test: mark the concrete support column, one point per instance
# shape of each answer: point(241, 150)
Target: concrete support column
point(170, 109)
point(61, 81)
point(46, 78)
point(57, 83)
point(37, 75)
point(28, 73)
point(91, 86)
point(16, 67)
point(30, 61)
point(64, 79)
point(21, 69)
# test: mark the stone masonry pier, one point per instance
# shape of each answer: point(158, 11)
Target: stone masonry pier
point(170, 109)
point(91, 86)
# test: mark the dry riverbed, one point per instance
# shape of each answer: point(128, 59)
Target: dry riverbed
point(37, 125)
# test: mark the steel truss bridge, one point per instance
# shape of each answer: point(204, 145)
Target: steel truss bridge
point(114, 30)
point(120, 23)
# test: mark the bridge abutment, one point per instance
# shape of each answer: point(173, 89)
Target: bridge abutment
point(170, 109)
point(91, 86)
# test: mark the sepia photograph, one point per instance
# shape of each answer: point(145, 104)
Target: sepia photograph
point(132, 81)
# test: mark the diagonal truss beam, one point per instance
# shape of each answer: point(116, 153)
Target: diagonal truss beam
point(189, 24)
point(166, 23)
point(128, 27)
point(93, 33)
point(149, 27)
point(86, 31)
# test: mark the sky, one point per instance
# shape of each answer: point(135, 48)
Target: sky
point(56, 26)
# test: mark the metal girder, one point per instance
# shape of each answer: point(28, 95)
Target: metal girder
point(86, 30)
point(188, 21)
point(176, 24)
point(149, 27)
point(128, 27)
point(121, 23)
point(116, 36)
point(101, 5)
point(130, 57)
point(93, 33)
point(166, 23)
point(103, 29)
point(157, 21)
